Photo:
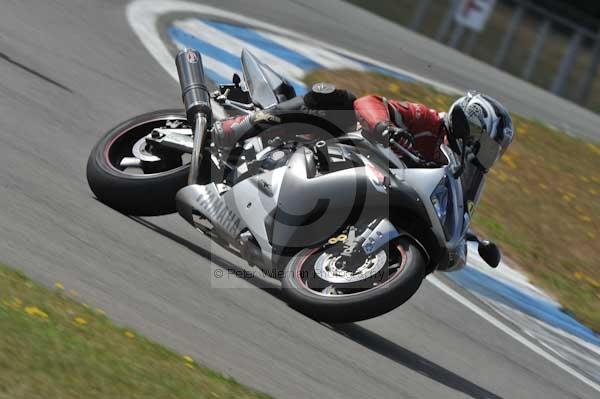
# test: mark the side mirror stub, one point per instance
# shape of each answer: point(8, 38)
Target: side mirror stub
point(490, 253)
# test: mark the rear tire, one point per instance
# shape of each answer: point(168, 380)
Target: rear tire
point(144, 194)
point(358, 306)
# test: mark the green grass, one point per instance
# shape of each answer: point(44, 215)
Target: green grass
point(54, 347)
point(541, 202)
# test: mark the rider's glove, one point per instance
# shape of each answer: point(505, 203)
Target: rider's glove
point(264, 117)
point(387, 132)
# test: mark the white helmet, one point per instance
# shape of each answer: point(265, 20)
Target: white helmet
point(491, 127)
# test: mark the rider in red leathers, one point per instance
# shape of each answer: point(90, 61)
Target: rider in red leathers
point(413, 126)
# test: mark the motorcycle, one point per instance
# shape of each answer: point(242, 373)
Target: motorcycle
point(348, 227)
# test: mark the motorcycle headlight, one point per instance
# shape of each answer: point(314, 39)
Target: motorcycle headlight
point(439, 199)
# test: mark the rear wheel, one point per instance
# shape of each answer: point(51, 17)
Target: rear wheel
point(325, 284)
point(124, 173)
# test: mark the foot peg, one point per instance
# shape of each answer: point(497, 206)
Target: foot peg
point(195, 202)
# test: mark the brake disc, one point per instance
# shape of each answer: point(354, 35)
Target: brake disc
point(326, 267)
point(140, 151)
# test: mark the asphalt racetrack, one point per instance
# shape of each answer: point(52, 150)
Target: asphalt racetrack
point(71, 69)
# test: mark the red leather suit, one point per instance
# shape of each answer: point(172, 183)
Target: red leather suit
point(425, 124)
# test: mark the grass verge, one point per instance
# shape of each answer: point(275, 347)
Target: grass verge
point(542, 201)
point(54, 347)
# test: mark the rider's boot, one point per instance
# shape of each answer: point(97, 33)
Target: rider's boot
point(228, 132)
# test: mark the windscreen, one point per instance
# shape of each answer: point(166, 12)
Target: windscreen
point(261, 80)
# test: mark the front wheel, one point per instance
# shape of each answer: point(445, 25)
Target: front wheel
point(327, 285)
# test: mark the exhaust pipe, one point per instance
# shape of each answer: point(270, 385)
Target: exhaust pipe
point(196, 99)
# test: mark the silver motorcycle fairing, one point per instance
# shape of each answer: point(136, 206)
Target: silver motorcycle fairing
point(253, 200)
point(284, 222)
point(255, 206)
point(258, 203)
point(204, 201)
point(313, 209)
point(289, 219)
point(425, 182)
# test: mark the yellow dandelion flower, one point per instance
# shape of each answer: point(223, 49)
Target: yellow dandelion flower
point(59, 286)
point(80, 321)
point(188, 359)
point(129, 334)
point(584, 218)
point(35, 311)
point(189, 365)
point(578, 275)
point(394, 88)
point(593, 282)
point(595, 149)
point(507, 159)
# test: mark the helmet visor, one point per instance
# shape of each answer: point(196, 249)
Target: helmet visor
point(489, 151)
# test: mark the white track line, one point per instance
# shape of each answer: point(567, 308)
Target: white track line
point(143, 15)
point(235, 46)
point(576, 340)
point(326, 58)
point(509, 331)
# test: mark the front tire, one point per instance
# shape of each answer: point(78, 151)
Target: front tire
point(149, 193)
point(332, 304)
